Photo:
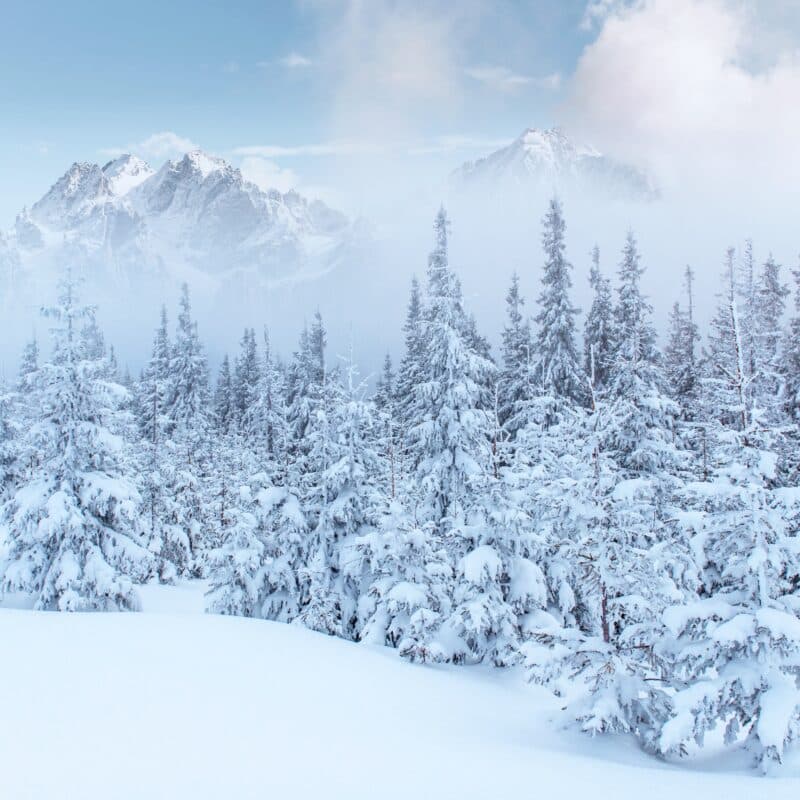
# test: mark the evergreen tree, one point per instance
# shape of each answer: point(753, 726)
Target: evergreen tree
point(727, 381)
point(449, 441)
point(29, 365)
point(246, 379)
point(598, 329)
point(188, 403)
point(224, 404)
point(639, 419)
point(770, 306)
point(556, 367)
point(155, 387)
point(267, 419)
point(388, 434)
point(187, 466)
point(341, 496)
point(407, 594)
point(412, 366)
point(791, 357)
point(734, 652)
point(680, 365)
point(75, 542)
point(514, 381)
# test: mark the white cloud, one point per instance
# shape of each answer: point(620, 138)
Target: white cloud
point(598, 10)
point(267, 174)
point(230, 67)
point(392, 68)
point(504, 80)
point(455, 143)
point(164, 144)
point(409, 146)
point(333, 148)
point(296, 61)
point(670, 83)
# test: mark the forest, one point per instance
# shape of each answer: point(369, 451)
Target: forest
point(615, 518)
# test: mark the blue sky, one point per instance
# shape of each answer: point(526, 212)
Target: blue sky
point(83, 78)
point(302, 93)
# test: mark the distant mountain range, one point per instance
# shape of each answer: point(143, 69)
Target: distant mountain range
point(198, 219)
point(548, 159)
point(194, 218)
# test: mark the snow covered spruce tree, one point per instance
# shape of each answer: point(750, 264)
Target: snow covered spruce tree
point(768, 380)
point(734, 650)
point(598, 328)
point(514, 381)
point(412, 365)
point(75, 540)
point(266, 419)
point(388, 438)
point(680, 361)
point(790, 357)
point(245, 383)
point(186, 463)
point(255, 569)
point(449, 438)
point(629, 560)
point(556, 365)
point(407, 589)
point(341, 501)
point(224, 407)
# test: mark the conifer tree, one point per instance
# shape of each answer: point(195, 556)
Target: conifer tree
point(412, 365)
point(639, 418)
point(557, 371)
point(735, 650)
point(514, 381)
point(449, 441)
point(75, 541)
point(266, 421)
point(770, 306)
point(727, 381)
point(246, 379)
point(791, 357)
point(598, 329)
point(680, 363)
point(224, 404)
point(29, 364)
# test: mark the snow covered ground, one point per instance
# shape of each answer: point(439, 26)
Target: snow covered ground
point(175, 704)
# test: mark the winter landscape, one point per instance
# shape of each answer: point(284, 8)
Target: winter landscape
point(407, 463)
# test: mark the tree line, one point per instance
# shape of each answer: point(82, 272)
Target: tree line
point(618, 520)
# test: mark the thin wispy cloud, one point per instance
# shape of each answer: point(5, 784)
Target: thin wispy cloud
point(295, 60)
point(505, 80)
point(456, 142)
point(163, 144)
point(437, 144)
point(333, 148)
point(230, 67)
point(267, 174)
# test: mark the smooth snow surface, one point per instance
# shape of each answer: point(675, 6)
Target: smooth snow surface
point(184, 705)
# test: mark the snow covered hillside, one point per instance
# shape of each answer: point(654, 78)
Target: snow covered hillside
point(183, 705)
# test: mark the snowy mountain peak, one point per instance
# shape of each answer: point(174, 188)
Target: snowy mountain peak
point(126, 172)
point(196, 213)
point(203, 163)
point(550, 158)
point(82, 187)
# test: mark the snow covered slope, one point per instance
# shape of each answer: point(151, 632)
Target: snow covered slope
point(549, 159)
point(196, 216)
point(183, 705)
